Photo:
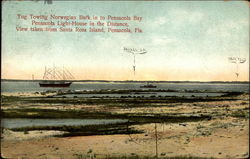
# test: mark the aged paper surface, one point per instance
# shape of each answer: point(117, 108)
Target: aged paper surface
point(124, 79)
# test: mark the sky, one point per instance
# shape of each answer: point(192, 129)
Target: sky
point(185, 41)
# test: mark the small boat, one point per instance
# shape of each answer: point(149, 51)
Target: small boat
point(55, 77)
point(148, 86)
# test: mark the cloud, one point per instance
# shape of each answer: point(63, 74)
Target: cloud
point(227, 29)
point(159, 21)
point(162, 40)
point(178, 17)
point(181, 16)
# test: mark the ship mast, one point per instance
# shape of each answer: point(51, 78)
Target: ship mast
point(45, 72)
point(54, 72)
point(63, 74)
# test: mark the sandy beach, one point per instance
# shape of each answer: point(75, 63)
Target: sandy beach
point(204, 139)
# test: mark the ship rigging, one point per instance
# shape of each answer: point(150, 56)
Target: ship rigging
point(56, 77)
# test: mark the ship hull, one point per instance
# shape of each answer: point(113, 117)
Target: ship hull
point(59, 84)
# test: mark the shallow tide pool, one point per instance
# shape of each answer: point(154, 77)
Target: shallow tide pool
point(23, 122)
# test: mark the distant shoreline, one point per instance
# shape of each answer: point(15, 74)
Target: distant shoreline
point(131, 81)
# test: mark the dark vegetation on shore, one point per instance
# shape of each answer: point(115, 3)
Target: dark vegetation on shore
point(124, 103)
point(240, 113)
point(134, 91)
point(121, 100)
point(87, 130)
point(79, 114)
point(136, 101)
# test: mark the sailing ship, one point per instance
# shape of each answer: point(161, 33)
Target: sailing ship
point(56, 77)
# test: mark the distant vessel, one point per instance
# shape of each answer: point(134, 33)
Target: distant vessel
point(56, 77)
point(148, 86)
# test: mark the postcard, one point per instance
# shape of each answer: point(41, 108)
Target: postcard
point(124, 79)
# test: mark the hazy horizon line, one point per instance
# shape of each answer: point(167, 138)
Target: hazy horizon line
point(102, 80)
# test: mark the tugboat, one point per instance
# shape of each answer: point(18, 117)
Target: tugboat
point(55, 77)
point(148, 86)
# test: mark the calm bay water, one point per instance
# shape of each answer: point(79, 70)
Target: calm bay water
point(34, 86)
point(23, 122)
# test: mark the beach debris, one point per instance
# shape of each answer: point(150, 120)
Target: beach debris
point(245, 154)
point(133, 154)
point(79, 156)
point(26, 132)
point(90, 151)
point(163, 154)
